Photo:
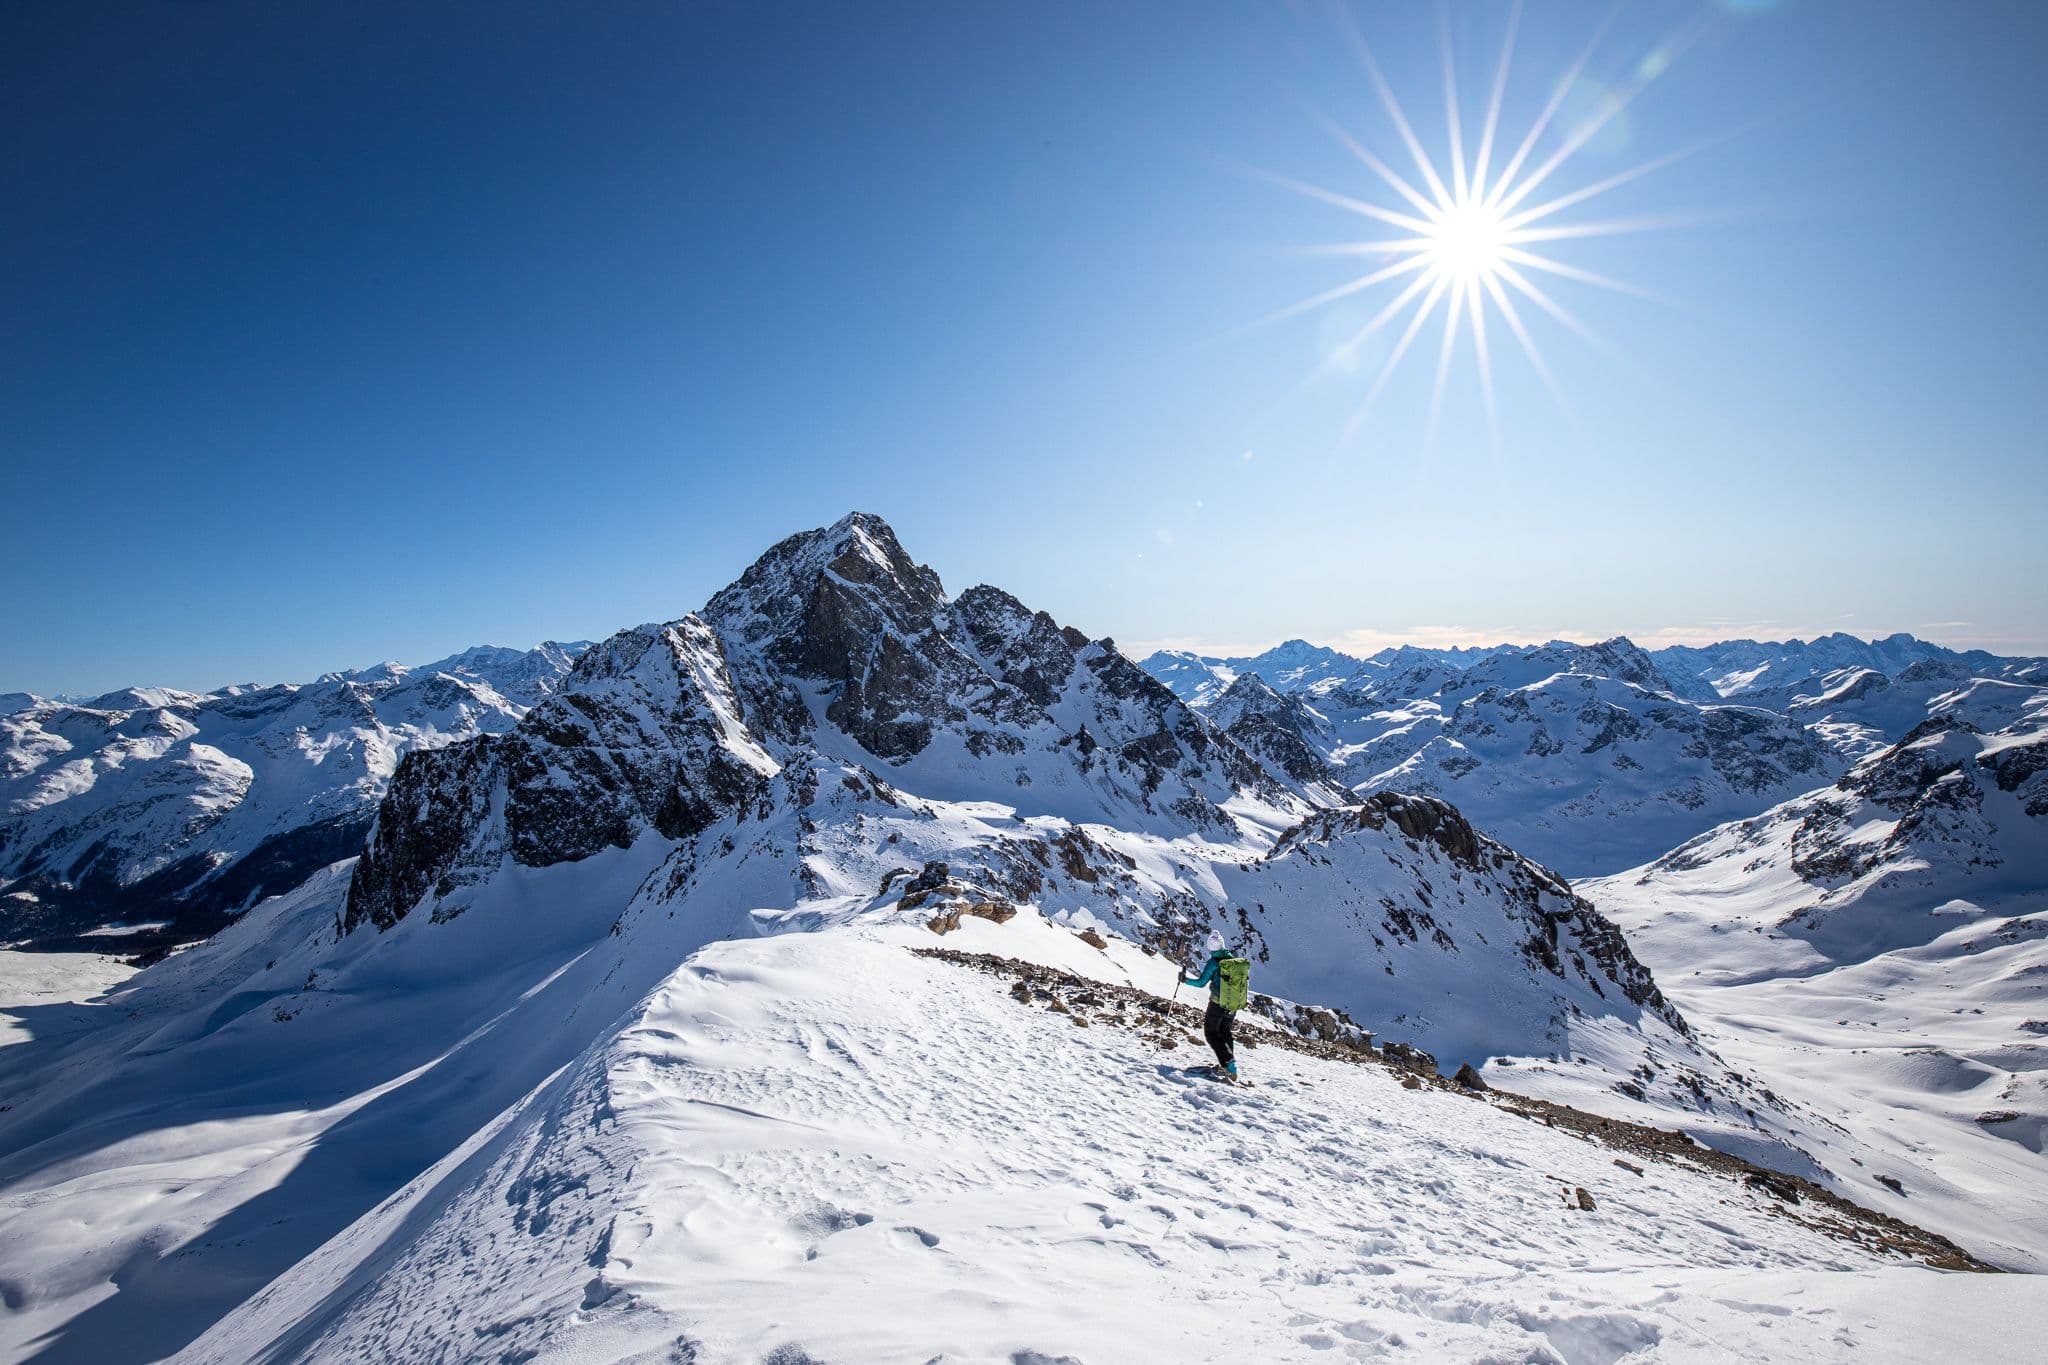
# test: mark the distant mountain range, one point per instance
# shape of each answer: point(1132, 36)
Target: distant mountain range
point(168, 811)
point(1705, 673)
point(1592, 758)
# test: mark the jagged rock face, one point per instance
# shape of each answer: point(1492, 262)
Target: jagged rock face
point(427, 833)
point(1026, 649)
point(646, 733)
point(163, 806)
point(901, 665)
point(2021, 768)
point(832, 658)
point(1282, 731)
point(848, 608)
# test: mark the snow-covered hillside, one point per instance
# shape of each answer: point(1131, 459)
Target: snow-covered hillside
point(839, 722)
point(1859, 711)
point(549, 1128)
point(1879, 948)
point(169, 811)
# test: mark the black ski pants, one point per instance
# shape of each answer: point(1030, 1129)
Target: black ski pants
point(1216, 1026)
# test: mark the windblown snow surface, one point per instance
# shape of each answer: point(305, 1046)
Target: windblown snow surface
point(806, 1143)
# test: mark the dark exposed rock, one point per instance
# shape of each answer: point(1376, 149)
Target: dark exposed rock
point(1277, 728)
point(1410, 1058)
point(947, 920)
point(1025, 649)
point(436, 807)
point(1773, 1184)
point(1931, 787)
point(1470, 1078)
point(640, 737)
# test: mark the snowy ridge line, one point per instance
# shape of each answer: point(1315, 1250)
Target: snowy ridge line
point(1090, 1001)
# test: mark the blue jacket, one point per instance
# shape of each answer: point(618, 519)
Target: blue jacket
point(1208, 977)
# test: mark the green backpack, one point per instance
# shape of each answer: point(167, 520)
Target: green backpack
point(1233, 982)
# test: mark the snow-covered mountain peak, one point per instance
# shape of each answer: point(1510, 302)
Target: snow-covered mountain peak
point(1619, 658)
point(1247, 691)
point(833, 658)
point(800, 592)
point(1293, 665)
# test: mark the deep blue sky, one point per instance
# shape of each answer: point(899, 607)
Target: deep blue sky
point(331, 333)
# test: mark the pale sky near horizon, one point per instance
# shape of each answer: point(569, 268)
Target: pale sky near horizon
point(336, 334)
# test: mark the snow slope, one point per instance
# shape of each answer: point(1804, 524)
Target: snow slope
point(1879, 949)
point(178, 809)
point(834, 754)
point(546, 1138)
point(835, 714)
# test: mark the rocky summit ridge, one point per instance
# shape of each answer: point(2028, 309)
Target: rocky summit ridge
point(834, 646)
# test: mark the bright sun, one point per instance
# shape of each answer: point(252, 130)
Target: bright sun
point(1472, 231)
point(1467, 242)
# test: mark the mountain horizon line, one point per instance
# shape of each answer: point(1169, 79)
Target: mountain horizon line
point(1448, 644)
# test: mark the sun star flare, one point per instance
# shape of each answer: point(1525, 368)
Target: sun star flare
point(1470, 239)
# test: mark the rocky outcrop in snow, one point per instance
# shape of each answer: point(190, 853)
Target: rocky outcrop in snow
point(644, 735)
